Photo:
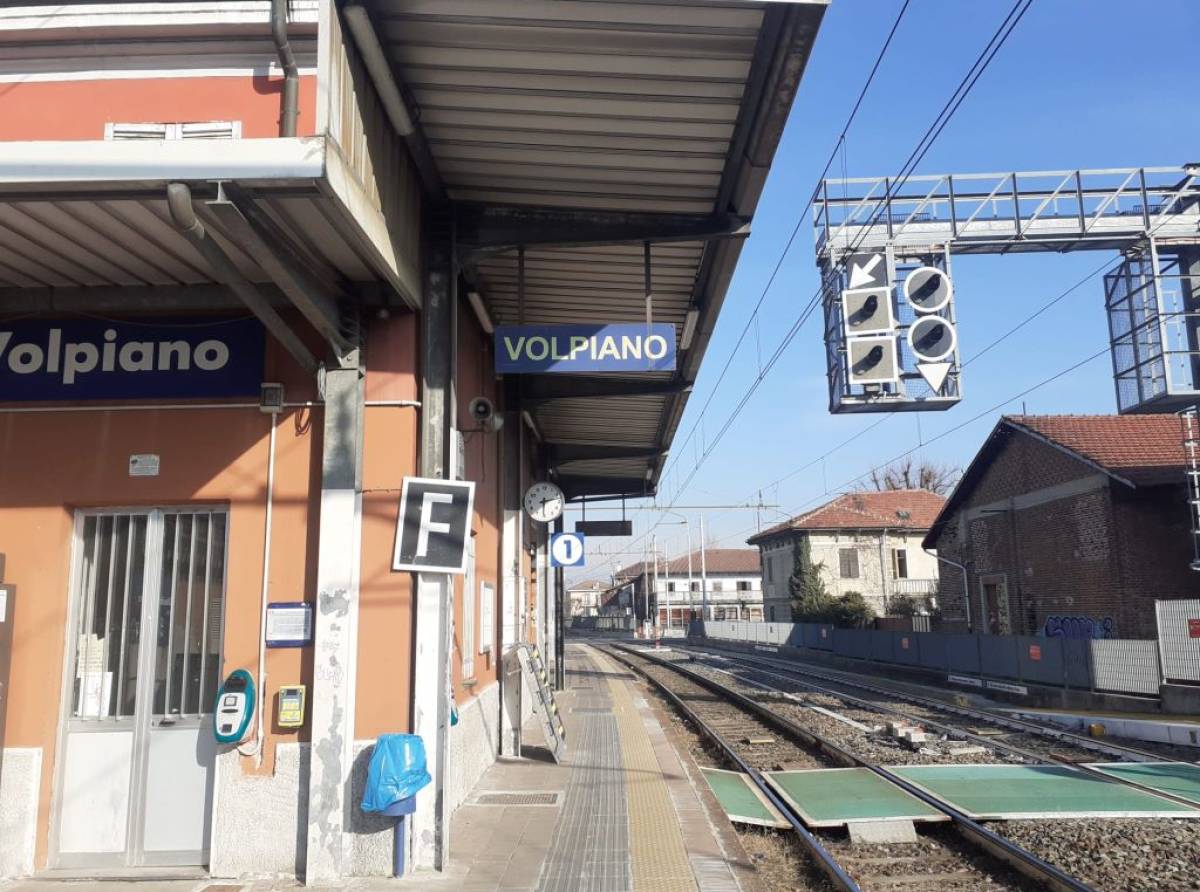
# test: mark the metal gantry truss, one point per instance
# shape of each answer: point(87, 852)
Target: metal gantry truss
point(996, 213)
point(1152, 296)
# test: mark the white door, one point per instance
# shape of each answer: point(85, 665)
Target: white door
point(135, 777)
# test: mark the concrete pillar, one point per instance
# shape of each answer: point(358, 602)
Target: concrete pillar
point(560, 622)
point(336, 627)
point(512, 583)
point(432, 697)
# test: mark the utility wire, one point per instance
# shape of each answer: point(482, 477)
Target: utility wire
point(838, 146)
point(847, 484)
point(966, 84)
point(968, 81)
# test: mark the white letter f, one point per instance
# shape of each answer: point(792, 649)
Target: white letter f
point(427, 524)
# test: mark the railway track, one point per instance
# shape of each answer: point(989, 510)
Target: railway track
point(960, 854)
point(1030, 740)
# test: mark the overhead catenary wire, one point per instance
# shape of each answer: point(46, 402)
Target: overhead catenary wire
point(845, 486)
point(951, 106)
point(999, 37)
point(839, 145)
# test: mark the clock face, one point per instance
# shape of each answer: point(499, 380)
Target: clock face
point(544, 502)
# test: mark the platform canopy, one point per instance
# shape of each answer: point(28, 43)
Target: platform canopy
point(583, 130)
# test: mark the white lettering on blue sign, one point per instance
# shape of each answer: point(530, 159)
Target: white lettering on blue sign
point(87, 359)
point(80, 358)
point(585, 348)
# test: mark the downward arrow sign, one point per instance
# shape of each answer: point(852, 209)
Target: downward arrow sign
point(860, 274)
point(934, 374)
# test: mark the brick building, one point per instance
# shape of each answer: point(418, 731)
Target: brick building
point(865, 542)
point(1069, 525)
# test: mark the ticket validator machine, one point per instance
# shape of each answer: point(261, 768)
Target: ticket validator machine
point(235, 707)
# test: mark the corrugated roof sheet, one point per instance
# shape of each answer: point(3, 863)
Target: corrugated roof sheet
point(672, 106)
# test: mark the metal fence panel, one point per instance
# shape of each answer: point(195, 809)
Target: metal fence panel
point(905, 647)
point(1077, 662)
point(998, 656)
point(824, 637)
point(1179, 639)
point(1040, 660)
point(882, 646)
point(962, 653)
point(852, 643)
point(1125, 665)
point(808, 634)
point(931, 651)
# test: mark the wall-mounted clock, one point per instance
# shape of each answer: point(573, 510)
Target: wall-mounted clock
point(544, 502)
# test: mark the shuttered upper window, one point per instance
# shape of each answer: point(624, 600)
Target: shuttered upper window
point(188, 130)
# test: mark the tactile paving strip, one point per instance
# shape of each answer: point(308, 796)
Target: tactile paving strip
point(659, 858)
point(590, 848)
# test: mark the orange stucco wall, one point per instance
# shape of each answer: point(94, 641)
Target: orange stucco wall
point(383, 701)
point(54, 463)
point(475, 377)
point(70, 110)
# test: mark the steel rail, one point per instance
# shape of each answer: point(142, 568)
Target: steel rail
point(1110, 749)
point(1001, 848)
point(958, 733)
point(825, 860)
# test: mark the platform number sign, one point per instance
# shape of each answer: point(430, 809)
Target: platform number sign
point(566, 550)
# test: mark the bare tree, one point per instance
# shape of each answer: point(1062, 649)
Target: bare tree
point(910, 473)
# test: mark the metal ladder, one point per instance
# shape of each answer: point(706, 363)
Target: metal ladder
point(1191, 446)
point(544, 704)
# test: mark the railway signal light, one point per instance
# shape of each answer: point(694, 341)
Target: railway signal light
point(867, 311)
point(928, 289)
point(872, 360)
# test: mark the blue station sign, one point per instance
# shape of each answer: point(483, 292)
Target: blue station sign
point(636, 347)
point(87, 359)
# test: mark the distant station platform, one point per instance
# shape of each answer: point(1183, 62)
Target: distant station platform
point(622, 811)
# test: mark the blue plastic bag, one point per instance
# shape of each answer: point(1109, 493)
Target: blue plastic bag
point(397, 771)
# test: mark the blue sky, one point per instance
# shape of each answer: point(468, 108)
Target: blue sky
point(1080, 83)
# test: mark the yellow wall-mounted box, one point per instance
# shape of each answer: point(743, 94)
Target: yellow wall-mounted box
point(290, 713)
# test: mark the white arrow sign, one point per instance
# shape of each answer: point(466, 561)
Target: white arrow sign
point(934, 373)
point(862, 272)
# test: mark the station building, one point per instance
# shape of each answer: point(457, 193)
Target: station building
point(252, 256)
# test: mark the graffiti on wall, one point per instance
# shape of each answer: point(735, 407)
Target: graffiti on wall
point(1079, 627)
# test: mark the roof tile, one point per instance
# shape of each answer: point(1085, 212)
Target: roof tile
point(890, 509)
point(1143, 449)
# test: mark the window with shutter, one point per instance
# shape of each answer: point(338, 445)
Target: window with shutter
point(848, 559)
point(167, 130)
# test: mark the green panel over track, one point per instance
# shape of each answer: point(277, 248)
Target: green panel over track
point(742, 801)
point(1177, 778)
point(1010, 792)
point(831, 797)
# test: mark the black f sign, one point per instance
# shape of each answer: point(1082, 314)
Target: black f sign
point(433, 526)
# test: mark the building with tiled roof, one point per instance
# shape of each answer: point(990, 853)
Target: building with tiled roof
point(677, 587)
point(865, 542)
point(584, 597)
point(1070, 525)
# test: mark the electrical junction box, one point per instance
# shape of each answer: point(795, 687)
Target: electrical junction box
point(290, 713)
